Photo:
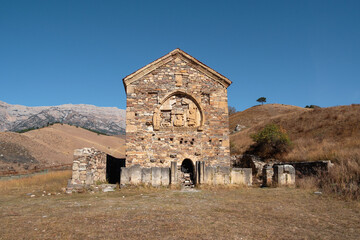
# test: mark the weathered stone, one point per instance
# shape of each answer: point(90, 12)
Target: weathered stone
point(284, 175)
point(124, 176)
point(146, 176)
point(187, 109)
point(135, 174)
point(155, 176)
point(173, 171)
point(268, 174)
point(165, 176)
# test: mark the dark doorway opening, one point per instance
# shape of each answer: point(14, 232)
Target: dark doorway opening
point(113, 169)
point(188, 173)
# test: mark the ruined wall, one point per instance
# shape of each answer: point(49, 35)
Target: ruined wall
point(177, 112)
point(89, 166)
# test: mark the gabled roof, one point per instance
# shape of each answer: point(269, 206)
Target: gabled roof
point(171, 56)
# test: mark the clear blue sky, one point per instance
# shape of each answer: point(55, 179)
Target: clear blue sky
point(291, 52)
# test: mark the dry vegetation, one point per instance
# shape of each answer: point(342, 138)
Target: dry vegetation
point(51, 146)
point(140, 213)
point(317, 134)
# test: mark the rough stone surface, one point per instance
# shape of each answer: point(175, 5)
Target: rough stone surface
point(165, 176)
point(284, 175)
point(135, 174)
point(89, 166)
point(176, 109)
point(155, 176)
point(268, 174)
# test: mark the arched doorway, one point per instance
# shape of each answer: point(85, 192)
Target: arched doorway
point(187, 172)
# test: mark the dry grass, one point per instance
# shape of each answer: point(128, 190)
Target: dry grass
point(144, 213)
point(317, 134)
point(52, 181)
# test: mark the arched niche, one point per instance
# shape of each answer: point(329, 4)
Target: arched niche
point(178, 110)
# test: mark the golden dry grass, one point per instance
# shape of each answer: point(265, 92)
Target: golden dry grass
point(317, 134)
point(52, 181)
point(143, 213)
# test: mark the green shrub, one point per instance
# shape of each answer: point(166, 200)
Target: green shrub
point(271, 142)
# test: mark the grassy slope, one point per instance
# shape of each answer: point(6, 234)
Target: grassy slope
point(54, 145)
point(326, 133)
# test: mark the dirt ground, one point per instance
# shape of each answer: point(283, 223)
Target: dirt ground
point(141, 213)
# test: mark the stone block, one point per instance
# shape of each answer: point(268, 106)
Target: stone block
point(209, 175)
point(89, 178)
point(135, 174)
point(165, 176)
point(146, 176)
point(268, 174)
point(124, 176)
point(173, 171)
point(284, 175)
point(155, 176)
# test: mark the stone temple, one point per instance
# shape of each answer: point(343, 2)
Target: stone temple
point(177, 110)
point(177, 130)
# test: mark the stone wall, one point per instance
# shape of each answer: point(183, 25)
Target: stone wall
point(89, 166)
point(278, 175)
point(156, 176)
point(176, 110)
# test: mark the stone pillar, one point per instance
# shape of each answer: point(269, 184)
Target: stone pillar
point(173, 171)
point(268, 174)
point(284, 175)
point(202, 172)
point(197, 172)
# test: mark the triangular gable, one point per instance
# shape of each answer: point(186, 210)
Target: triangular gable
point(171, 56)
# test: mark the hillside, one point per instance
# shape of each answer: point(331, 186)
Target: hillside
point(51, 146)
point(324, 133)
point(108, 120)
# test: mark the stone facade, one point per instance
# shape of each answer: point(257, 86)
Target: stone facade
point(177, 109)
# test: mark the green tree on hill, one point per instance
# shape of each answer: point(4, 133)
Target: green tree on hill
point(261, 100)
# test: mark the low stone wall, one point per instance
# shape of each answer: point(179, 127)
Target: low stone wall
point(310, 168)
point(89, 166)
point(92, 167)
point(156, 176)
point(278, 175)
point(136, 175)
point(227, 175)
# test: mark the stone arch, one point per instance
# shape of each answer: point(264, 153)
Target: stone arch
point(157, 111)
point(188, 172)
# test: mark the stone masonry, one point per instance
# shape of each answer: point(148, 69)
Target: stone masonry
point(89, 166)
point(177, 109)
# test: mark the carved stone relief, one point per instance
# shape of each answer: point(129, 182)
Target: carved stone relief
point(177, 111)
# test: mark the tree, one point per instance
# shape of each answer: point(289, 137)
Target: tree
point(232, 110)
point(271, 141)
point(261, 100)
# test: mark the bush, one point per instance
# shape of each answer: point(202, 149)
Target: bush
point(271, 142)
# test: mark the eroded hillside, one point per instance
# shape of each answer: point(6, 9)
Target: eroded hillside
point(51, 146)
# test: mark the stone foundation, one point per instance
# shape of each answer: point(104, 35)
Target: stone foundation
point(90, 168)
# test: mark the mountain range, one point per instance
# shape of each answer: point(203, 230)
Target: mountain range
point(106, 120)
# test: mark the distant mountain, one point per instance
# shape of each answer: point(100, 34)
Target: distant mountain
point(108, 120)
